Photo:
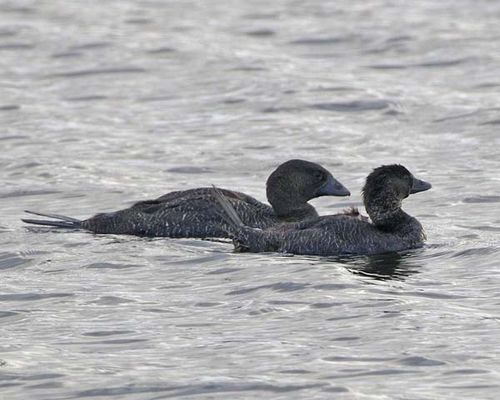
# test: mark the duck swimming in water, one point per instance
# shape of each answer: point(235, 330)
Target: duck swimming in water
point(195, 213)
point(390, 229)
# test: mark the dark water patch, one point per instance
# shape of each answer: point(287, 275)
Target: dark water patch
point(482, 199)
point(167, 287)
point(272, 110)
point(39, 377)
point(94, 72)
point(333, 286)
point(387, 66)
point(196, 325)
point(9, 260)
point(263, 147)
point(469, 387)
point(106, 333)
point(16, 46)
point(198, 260)
point(282, 287)
point(189, 170)
point(296, 371)
point(453, 117)
point(111, 300)
point(432, 64)
point(263, 311)
point(261, 16)
point(336, 389)
point(286, 302)
point(487, 85)
point(325, 305)
point(233, 101)
point(393, 112)
point(10, 384)
point(479, 251)
point(208, 304)
point(442, 63)
point(6, 314)
point(381, 372)
point(106, 265)
point(9, 107)
point(7, 33)
point(162, 50)
point(417, 361)
point(467, 371)
point(29, 164)
point(10, 8)
point(353, 106)
point(90, 46)
point(67, 54)
point(469, 236)
point(138, 21)
point(261, 33)
point(321, 41)
point(125, 390)
point(345, 338)
point(116, 341)
point(32, 296)
point(46, 385)
point(219, 389)
point(492, 122)
point(399, 38)
point(222, 271)
point(14, 137)
point(24, 193)
point(156, 310)
point(86, 98)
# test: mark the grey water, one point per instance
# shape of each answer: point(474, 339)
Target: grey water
point(104, 103)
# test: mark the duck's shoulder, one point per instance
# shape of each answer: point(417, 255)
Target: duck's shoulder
point(325, 222)
point(196, 199)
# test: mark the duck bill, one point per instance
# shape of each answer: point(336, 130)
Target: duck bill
point(333, 187)
point(419, 186)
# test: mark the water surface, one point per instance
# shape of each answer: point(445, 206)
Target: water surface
point(107, 103)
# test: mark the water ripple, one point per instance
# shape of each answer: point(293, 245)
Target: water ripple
point(32, 296)
point(354, 106)
point(92, 72)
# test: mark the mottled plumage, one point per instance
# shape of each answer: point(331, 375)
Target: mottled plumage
point(391, 228)
point(195, 213)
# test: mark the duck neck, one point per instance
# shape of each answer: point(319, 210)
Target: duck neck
point(387, 214)
point(291, 209)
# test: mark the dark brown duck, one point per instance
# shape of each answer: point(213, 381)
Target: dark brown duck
point(195, 212)
point(390, 229)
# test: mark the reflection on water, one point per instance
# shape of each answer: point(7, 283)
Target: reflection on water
point(383, 266)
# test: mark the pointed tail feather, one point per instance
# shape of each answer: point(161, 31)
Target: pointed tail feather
point(60, 221)
point(55, 216)
point(59, 224)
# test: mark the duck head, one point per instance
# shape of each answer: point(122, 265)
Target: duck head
point(295, 182)
point(385, 189)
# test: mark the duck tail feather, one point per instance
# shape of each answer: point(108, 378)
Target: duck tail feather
point(54, 216)
point(59, 224)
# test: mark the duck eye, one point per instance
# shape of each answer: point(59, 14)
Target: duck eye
point(319, 176)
